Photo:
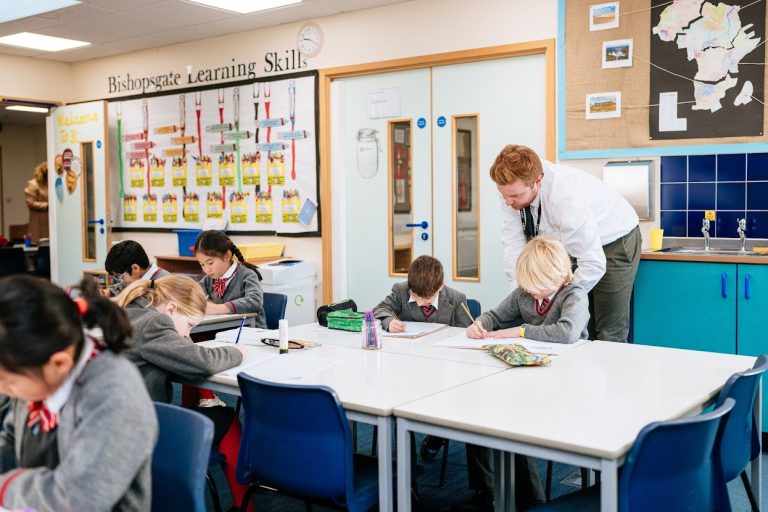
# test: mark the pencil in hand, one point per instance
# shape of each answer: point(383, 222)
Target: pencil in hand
point(483, 332)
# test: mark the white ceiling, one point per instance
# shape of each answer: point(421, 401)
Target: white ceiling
point(122, 26)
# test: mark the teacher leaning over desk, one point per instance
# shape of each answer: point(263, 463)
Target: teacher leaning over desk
point(598, 227)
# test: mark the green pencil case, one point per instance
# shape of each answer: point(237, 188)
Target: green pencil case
point(346, 320)
point(517, 355)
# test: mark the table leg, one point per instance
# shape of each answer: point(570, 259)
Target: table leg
point(510, 492)
point(757, 466)
point(609, 485)
point(384, 442)
point(403, 467)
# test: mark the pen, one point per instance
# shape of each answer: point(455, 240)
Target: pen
point(466, 310)
point(242, 322)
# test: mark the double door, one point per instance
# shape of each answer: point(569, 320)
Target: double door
point(411, 151)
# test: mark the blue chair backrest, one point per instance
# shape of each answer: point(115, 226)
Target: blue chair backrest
point(741, 440)
point(12, 261)
point(474, 308)
point(274, 308)
point(43, 261)
point(675, 465)
point(180, 459)
point(296, 439)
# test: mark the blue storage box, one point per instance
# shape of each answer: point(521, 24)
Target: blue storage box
point(187, 239)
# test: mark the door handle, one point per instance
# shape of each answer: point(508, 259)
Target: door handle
point(724, 291)
point(747, 279)
point(423, 225)
point(96, 221)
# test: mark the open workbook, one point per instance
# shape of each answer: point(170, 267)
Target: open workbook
point(416, 330)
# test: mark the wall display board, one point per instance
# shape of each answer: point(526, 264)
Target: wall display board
point(654, 77)
point(243, 153)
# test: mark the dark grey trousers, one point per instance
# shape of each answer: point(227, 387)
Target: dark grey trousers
point(610, 298)
point(528, 490)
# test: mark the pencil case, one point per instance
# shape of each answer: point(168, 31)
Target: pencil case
point(346, 320)
point(517, 355)
point(344, 305)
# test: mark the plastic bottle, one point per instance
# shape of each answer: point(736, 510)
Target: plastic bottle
point(283, 329)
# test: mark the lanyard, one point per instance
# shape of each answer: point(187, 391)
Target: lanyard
point(538, 220)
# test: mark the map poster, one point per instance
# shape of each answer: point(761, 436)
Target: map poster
point(707, 74)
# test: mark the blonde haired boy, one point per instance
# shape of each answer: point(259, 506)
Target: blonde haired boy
point(551, 307)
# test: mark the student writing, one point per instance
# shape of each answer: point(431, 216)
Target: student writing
point(231, 283)
point(81, 428)
point(162, 313)
point(127, 262)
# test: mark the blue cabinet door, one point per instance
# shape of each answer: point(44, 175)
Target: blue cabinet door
point(686, 305)
point(752, 338)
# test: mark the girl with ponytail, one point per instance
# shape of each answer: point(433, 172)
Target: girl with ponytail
point(231, 284)
point(162, 313)
point(81, 428)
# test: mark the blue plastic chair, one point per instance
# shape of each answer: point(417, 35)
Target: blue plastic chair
point(43, 261)
point(274, 308)
point(180, 459)
point(12, 261)
point(741, 440)
point(474, 307)
point(672, 465)
point(297, 440)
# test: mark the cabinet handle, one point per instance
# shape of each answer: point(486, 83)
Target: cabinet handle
point(747, 279)
point(724, 291)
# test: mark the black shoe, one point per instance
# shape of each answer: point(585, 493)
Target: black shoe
point(430, 447)
point(482, 501)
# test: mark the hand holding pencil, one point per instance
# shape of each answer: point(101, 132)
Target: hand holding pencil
point(476, 330)
point(396, 325)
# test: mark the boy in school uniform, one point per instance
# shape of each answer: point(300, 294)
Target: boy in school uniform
point(552, 309)
point(423, 298)
point(128, 262)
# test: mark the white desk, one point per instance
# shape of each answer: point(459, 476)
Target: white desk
point(370, 384)
point(418, 347)
point(219, 322)
point(585, 409)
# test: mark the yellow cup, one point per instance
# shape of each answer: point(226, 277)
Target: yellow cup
point(657, 239)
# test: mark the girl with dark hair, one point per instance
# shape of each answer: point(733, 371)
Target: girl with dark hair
point(81, 428)
point(231, 283)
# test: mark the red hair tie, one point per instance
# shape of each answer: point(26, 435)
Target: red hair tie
point(82, 306)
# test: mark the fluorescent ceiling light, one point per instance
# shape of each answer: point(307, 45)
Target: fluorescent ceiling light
point(27, 108)
point(245, 6)
point(41, 42)
point(14, 10)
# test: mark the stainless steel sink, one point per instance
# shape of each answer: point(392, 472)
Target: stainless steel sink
point(711, 252)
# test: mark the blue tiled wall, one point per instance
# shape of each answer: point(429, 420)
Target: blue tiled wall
point(735, 186)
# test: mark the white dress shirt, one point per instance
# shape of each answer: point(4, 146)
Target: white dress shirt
point(579, 210)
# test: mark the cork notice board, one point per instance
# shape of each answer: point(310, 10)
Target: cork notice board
point(631, 133)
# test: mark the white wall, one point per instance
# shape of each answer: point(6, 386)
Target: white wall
point(23, 147)
point(419, 27)
point(35, 79)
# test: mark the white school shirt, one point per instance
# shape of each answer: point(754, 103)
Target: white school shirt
point(433, 303)
point(150, 273)
point(579, 210)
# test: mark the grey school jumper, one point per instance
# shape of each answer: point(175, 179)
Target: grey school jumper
point(565, 322)
point(243, 294)
point(158, 350)
point(449, 310)
point(106, 436)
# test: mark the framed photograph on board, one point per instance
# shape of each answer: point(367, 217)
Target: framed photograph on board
point(464, 170)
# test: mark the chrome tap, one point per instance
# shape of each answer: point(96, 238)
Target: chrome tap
point(705, 232)
point(743, 234)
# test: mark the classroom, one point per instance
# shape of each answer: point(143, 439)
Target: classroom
point(383, 254)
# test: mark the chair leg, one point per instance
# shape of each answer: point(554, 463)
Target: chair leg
point(247, 498)
point(374, 438)
point(750, 494)
point(584, 478)
point(443, 465)
point(548, 483)
point(214, 491)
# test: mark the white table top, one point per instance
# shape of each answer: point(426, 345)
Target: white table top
point(376, 381)
point(593, 400)
point(419, 347)
point(214, 319)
